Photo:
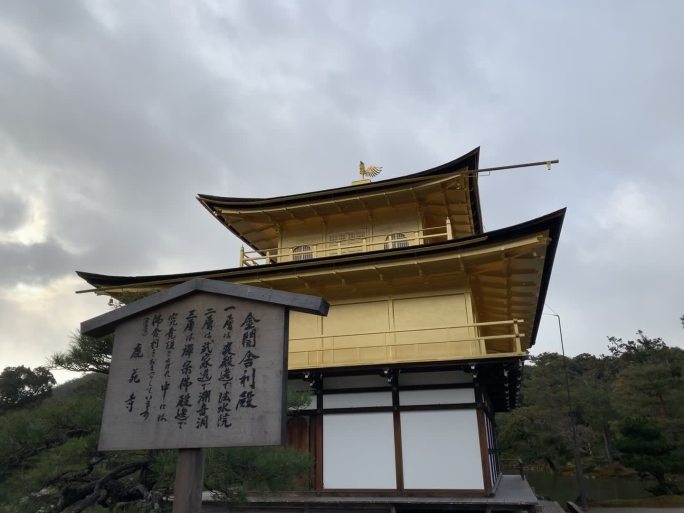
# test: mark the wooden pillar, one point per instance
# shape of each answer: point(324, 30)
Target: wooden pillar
point(484, 450)
point(318, 437)
point(398, 449)
point(516, 332)
point(187, 489)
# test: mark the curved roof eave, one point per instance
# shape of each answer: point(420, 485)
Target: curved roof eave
point(470, 161)
point(551, 222)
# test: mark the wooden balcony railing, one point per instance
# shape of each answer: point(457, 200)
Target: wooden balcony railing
point(431, 344)
point(353, 245)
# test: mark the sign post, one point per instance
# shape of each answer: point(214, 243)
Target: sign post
point(187, 487)
point(203, 364)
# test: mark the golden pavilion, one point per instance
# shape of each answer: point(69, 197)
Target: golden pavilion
point(430, 321)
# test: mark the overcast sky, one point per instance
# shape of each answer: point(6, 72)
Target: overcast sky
point(113, 115)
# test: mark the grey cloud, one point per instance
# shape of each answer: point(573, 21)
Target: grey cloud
point(33, 263)
point(13, 211)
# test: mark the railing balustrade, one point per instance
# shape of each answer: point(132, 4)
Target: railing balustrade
point(328, 348)
point(353, 245)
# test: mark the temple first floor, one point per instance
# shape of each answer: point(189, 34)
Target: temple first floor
point(403, 429)
point(399, 438)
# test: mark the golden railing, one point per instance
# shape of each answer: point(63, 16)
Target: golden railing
point(442, 343)
point(353, 245)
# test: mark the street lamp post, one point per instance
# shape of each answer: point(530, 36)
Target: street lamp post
point(573, 421)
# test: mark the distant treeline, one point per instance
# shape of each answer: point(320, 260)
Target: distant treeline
point(627, 405)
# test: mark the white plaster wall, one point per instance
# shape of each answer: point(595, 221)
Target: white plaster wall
point(357, 400)
point(441, 450)
point(358, 451)
point(440, 396)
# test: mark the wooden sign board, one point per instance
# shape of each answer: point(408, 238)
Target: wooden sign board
point(201, 365)
point(206, 371)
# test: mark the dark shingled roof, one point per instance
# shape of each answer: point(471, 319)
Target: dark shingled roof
point(468, 161)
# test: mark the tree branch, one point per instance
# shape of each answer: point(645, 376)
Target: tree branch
point(96, 492)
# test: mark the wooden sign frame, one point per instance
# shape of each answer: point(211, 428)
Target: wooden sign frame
point(122, 428)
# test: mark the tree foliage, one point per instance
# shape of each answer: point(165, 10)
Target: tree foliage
point(41, 445)
point(233, 472)
point(20, 386)
point(91, 354)
point(85, 354)
point(637, 379)
point(645, 448)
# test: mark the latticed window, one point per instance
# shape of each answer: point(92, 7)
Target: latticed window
point(396, 240)
point(302, 252)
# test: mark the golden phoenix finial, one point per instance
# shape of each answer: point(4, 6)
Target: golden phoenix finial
point(370, 171)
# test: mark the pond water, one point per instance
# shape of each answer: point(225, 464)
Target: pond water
point(564, 488)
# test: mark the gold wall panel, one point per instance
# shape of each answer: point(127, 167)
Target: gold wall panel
point(430, 312)
point(357, 318)
point(388, 330)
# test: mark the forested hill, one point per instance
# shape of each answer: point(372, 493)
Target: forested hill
point(628, 406)
point(42, 442)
